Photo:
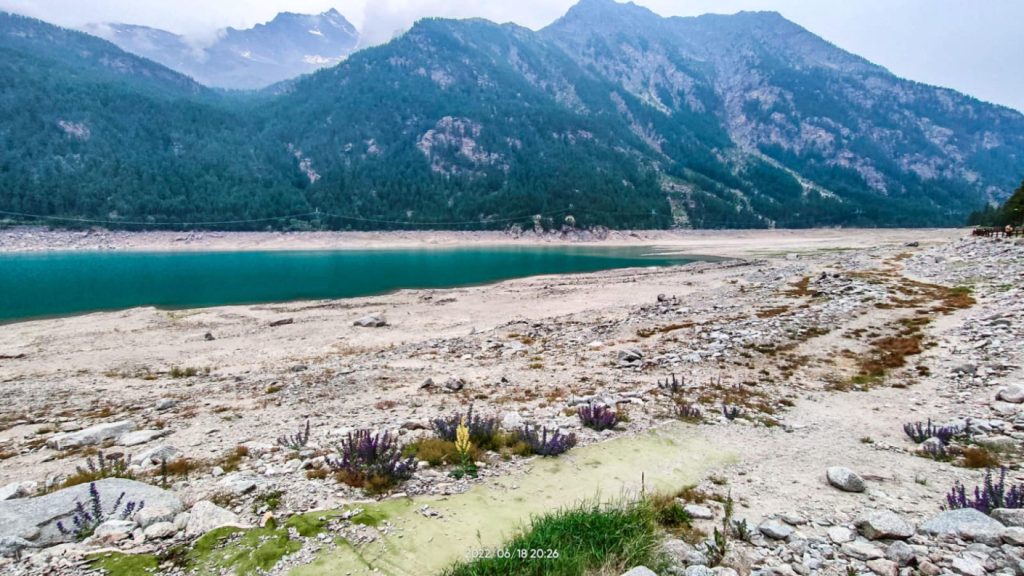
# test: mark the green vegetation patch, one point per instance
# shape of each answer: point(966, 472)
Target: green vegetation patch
point(121, 564)
point(582, 540)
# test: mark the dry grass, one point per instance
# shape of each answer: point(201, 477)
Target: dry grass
point(978, 457)
point(648, 332)
point(772, 312)
point(801, 288)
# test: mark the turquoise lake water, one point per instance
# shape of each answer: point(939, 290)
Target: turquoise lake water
point(60, 284)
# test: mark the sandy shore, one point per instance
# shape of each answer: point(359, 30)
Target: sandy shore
point(706, 242)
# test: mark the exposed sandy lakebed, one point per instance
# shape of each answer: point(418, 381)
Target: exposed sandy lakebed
point(780, 329)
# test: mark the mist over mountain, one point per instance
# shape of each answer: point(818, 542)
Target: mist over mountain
point(254, 58)
point(612, 114)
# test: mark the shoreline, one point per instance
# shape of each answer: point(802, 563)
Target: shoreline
point(710, 243)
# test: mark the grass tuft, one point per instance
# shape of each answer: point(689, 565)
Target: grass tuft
point(590, 538)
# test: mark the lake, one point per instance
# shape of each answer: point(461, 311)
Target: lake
point(36, 285)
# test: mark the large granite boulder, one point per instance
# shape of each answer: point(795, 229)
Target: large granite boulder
point(91, 435)
point(35, 519)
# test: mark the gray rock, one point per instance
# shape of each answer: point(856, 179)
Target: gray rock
point(512, 421)
point(1014, 536)
point(166, 404)
point(984, 535)
point(114, 530)
point(775, 529)
point(883, 567)
point(161, 530)
point(699, 512)
point(861, 550)
point(900, 552)
point(953, 521)
point(18, 490)
point(35, 519)
point(630, 355)
point(1013, 394)
point(12, 546)
point(154, 455)
point(884, 525)
point(141, 437)
point(91, 435)
point(640, 571)
point(844, 479)
point(699, 571)
point(371, 321)
point(968, 566)
point(841, 535)
point(150, 515)
point(243, 483)
point(1009, 516)
point(206, 516)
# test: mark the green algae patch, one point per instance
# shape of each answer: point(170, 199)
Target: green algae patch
point(120, 564)
point(311, 523)
point(664, 459)
point(238, 551)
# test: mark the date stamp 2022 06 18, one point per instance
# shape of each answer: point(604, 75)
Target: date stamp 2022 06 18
point(514, 553)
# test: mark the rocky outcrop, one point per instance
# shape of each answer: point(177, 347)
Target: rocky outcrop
point(35, 519)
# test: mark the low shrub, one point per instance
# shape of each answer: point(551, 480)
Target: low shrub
point(371, 461)
point(483, 432)
point(919, 432)
point(112, 466)
point(547, 442)
point(597, 417)
point(987, 497)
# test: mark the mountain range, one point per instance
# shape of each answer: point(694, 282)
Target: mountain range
point(612, 114)
point(289, 46)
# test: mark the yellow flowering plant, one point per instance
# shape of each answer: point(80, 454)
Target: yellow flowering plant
point(464, 448)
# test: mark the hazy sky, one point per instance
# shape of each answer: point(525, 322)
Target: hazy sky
point(971, 45)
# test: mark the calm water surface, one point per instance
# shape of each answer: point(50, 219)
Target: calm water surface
point(58, 284)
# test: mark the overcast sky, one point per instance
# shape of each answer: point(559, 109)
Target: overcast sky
point(971, 45)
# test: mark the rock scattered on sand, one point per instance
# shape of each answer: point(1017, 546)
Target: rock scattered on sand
point(884, 525)
point(371, 321)
point(845, 479)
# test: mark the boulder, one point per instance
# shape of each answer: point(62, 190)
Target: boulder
point(206, 516)
point(698, 512)
point(861, 550)
point(1009, 516)
point(968, 566)
point(640, 571)
point(1014, 536)
point(884, 525)
point(160, 530)
point(699, 571)
point(844, 479)
point(371, 321)
point(900, 552)
point(91, 435)
point(114, 530)
point(154, 455)
point(775, 529)
point(12, 546)
point(629, 355)
point(141, 437)
point(244, 482)
point(883, 567)
point(35, 519)
point(150, 515)
point(18, 490)
point(841, 535)
point(952, 522)
point(1013, 394)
